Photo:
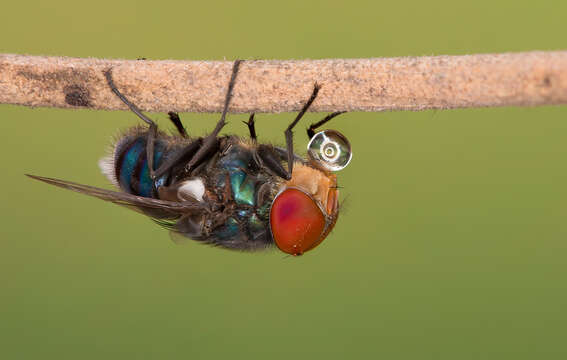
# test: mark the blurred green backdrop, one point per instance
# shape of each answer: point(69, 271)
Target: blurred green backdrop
point(452, 244)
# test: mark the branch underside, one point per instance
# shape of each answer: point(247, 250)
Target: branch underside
point(270, 86)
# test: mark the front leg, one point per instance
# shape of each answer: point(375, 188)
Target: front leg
point(289, 134)
point(313, 127)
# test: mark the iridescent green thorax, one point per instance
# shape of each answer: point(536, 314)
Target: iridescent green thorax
point(251, 190)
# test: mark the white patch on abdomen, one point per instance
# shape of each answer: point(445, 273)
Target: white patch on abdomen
point(106, 165)
point(191, 189)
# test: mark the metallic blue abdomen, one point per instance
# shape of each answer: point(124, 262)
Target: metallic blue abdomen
point(132, 169)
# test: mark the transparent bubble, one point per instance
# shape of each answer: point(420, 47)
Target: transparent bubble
point(330, 149)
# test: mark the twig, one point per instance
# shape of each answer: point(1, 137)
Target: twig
point(416, 83)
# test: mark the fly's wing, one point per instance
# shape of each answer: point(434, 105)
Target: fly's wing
point(159, 209)
point(188, 227)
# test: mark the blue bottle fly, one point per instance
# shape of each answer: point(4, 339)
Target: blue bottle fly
point(225, 190)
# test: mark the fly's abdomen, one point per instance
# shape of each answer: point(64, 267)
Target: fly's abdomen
point(131, 169)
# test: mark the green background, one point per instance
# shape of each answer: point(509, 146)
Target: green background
point(452, 242)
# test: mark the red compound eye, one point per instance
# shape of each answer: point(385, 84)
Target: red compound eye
point(297, 222)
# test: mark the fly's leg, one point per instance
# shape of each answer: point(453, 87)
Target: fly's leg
point(152, 132)
point(174, 117)
point(251, 127)
point(182, 156)
point(200, 149)
point(313, 127)
point(211, 142)
point(271, 157)
point(267, 156)
point(289, 134)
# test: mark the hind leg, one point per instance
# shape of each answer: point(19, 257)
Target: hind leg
point(152, 132)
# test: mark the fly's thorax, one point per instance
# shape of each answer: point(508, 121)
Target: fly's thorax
point(237, 176)
point(239, 192)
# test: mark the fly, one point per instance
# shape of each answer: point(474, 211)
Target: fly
point(226, 191)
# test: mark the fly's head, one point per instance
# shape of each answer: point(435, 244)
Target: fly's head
point(306, 208)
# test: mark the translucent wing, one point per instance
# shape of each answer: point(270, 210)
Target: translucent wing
point(152, 207)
